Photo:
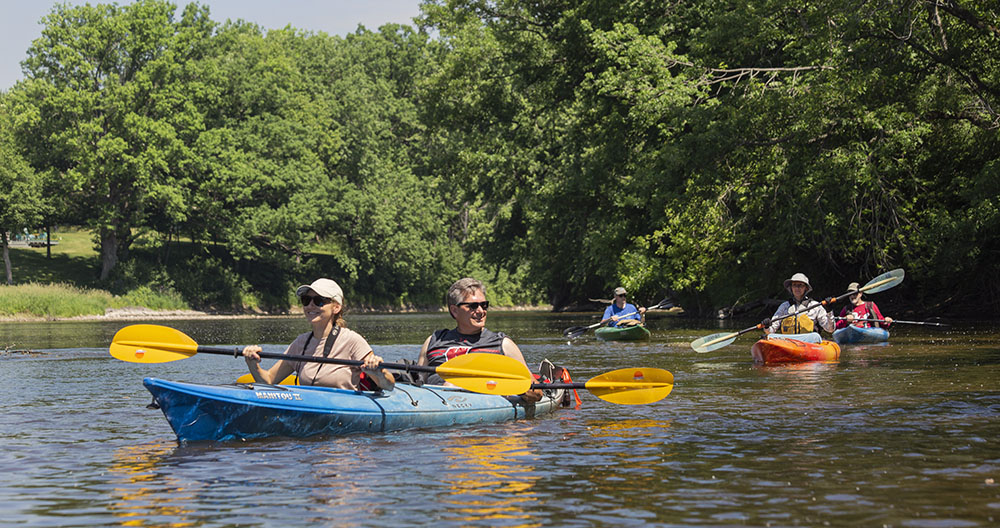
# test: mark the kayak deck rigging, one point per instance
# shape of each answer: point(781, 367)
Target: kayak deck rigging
point(199, 412)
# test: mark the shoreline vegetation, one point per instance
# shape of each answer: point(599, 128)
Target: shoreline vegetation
point(136, 313)
point(60, 283)
point(36, 302)
point(63, 287)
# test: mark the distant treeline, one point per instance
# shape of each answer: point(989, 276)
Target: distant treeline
point(701, 149)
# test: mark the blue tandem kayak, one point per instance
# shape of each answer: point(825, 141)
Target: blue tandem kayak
point(856, 334)
point(199, 412)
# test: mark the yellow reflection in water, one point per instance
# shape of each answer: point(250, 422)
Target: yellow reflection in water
point(142, 495)
point(637, 448)
point(490, 477)
point(628, 430)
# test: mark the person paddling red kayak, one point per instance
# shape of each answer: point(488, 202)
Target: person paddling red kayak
point(862, 314)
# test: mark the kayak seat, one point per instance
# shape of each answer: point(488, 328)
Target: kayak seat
point(409, 377)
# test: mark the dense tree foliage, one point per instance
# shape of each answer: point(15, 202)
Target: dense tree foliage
point(110, 118)
point(713, 148)
point(21, 202)
point(556, 149)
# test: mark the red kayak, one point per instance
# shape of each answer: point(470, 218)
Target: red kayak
point(770, 351)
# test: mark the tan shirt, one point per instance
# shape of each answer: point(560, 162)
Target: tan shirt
point(348, 345)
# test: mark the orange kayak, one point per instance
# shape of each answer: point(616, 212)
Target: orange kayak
point(770, 351)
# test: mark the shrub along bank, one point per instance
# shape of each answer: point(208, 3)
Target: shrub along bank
point(65, 300)
point(181, 275)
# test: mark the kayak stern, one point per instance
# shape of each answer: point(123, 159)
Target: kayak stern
point(774, 351)
point(622, 333)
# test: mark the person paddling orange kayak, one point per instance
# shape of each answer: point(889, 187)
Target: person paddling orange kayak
point(808, 318)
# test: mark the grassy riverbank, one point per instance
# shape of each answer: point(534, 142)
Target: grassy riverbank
point(36, 300)
point(182, 277)
point(65, 284)
point(74, 261)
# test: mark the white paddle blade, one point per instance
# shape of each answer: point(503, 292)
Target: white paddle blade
point(713, 342)
point(884, 281)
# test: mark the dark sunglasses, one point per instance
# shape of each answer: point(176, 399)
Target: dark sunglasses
point(315, 299)
point(485, 305)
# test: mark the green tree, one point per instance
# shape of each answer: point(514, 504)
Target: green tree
point(388, 222)
point(312, 142)
point(712, 147)
point(21, 202)
point(552, 129)
point(110, 117)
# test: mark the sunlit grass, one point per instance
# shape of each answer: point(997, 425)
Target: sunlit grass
point(63, 284)
point(74, 260)
point(63, 300)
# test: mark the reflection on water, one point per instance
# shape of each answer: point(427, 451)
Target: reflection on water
point(627, 431)
point(806, 374)
point(633, 451)
point(489, 478)
point(138, 493)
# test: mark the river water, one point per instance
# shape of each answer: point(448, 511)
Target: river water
point(903, 434)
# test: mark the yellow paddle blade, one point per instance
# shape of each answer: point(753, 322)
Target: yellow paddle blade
point(487, 374)
point(145, 343)
point(292, 379)
point(632, 386)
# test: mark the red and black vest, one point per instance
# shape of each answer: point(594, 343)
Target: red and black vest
point(449, 344)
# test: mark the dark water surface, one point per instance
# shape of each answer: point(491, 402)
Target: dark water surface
point(905, 434)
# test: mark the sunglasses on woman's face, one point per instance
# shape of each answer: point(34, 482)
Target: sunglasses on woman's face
point(315, 299)
point(473, 306)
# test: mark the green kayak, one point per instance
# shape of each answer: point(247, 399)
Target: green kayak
point(623, 333)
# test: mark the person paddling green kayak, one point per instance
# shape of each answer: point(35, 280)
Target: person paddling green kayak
point(622, 313)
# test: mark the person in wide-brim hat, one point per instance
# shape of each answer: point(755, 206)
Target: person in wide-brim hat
point(798, 277)
point(799, 314)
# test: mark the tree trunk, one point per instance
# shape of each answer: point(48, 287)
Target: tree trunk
point(48, 242)
point(6, 259)
point(109, 251)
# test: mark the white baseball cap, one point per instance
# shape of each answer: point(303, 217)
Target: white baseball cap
point(324, 287)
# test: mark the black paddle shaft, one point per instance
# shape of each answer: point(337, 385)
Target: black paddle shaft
point(575, 385)
point(237, 352)
point(894, 321)
point(825, 302)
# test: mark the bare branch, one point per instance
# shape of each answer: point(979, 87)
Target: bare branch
point(951, 7)
point(935, 19)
